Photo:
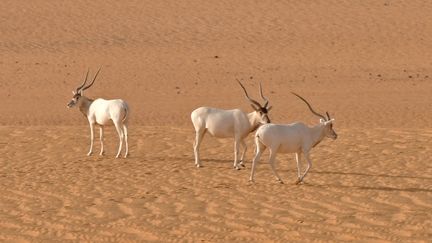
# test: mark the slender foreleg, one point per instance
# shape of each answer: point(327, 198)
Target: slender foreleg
point(298, 160)
point(309, 166)
point(91, 139)
point(101, 138)
point(199, 135)
point(242, 159)
point(236, 152)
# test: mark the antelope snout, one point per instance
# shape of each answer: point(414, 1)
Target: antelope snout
point(70, 104)
point(334, 136)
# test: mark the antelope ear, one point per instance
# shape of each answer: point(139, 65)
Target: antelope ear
point(268, 109)
point(322, 121)
point(329, 121)
point(73, 92)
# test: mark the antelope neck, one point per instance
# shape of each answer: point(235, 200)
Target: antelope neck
point(84, 105)
point(253, 121)
point(317, 134)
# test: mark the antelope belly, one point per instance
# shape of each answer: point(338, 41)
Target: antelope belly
point(103, 121)
point(288, 147)
point(221, 133)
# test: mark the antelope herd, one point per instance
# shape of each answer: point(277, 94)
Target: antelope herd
point(295, 138)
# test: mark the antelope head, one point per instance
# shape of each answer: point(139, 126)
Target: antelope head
point(78, 93)
point(261, 110)
point(327, 122)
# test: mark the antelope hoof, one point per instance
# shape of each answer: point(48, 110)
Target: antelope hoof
point(299, 181)
point(89, 153)
point(102, 153)
point(251, 180)
point(280, 181)
point(242, 165)
point(117, 156)
point(198, 165)
point(126, 155)
point(237, 167)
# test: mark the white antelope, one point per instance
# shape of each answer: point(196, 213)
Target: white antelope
point(229, 123)
point(99, 112)
point(295, 138)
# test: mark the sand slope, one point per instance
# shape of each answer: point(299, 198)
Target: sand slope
point(368, 63)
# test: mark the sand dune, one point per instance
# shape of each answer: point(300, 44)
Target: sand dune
point(368, 63)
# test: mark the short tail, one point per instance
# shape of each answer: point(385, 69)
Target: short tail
point(257, 139)
point(126, 113)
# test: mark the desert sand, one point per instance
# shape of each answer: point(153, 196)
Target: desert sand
point(369, 63)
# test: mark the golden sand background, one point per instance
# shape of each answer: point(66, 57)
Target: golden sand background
point(369, 63)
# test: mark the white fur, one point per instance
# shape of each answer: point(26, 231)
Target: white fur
point(225, 124)
point(100, 112)
point(292, 138)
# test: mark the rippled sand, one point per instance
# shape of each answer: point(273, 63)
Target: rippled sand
point(367, 63)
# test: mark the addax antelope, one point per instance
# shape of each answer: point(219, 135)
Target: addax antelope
point(99, 112)
point(229, 123)
point(295, 138)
